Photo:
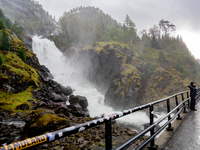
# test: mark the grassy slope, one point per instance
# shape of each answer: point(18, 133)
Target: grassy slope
point(14, 64)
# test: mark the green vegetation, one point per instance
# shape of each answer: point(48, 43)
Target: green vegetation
point(46, 119)
point(2, 24)
point(1, 60)
point(22, 54)
point(14, 64)
point(86, 25)
point(6, 23)
point(5, 42)
point(9, 101)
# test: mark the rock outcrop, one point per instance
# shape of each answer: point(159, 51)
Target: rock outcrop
point(110, 67)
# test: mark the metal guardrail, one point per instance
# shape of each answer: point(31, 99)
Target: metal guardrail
point(49, 137)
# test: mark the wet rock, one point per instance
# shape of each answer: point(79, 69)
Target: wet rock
point(80, 140)
point(56, 97)
point(45, 74)
point(107, 46)
point(8, 88)
point(42, 104)
point(23, 106)
point(79, 99)
point(83, 145)
point(129, 59)
point(61, 108)
point(76, 110)
point(32, 102)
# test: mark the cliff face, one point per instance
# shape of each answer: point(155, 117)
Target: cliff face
point(130, 77)
point(114, 71)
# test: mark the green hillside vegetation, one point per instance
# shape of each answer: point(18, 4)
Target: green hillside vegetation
point(168, 64)
point(11, 63)
point(10, 101)
point(14, 27)
point(86, 25)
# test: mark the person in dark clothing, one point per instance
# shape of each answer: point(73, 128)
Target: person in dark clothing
point(193, 93)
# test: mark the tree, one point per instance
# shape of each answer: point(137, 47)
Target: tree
point(166, 28)
point(154, 34)
point(132, 31)
point(1, 60)
point(127, 21)
point(2, 24)
point(22, 54)
point(5, 44)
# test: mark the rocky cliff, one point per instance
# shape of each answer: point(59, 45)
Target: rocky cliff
point(131, 76)
point(29, 93)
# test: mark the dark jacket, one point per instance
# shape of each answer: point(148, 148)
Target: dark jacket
point(193, 90)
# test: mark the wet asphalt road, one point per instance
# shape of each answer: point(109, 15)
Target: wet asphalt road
point(187, 136)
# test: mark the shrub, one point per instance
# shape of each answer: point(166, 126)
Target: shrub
point(1, 60)
point(22, 54)
point(161, 55)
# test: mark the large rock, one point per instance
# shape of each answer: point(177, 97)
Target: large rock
point(45, 74)
point(76, 110)
point(81, 100)
point(59, 108)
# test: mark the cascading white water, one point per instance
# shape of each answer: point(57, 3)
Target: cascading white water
point(50, 56)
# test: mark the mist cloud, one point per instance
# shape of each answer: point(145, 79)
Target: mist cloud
point(184, 14)
point(144, 13)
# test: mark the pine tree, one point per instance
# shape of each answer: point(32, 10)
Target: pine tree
point(5, 44)
point(22, 54)
point(1, 60)
point(2, 24)
point(127, 21)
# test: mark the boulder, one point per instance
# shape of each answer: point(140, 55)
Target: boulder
point(56, 97)
point(79, 99)
point(76, 110)
point(41, 104)
point(45, 74)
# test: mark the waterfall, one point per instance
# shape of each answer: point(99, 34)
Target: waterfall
point(63, 72)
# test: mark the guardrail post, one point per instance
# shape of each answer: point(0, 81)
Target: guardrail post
point(184, 107)
point(176, 98)
point(108, 134)
point(188, 101)
point(152, 144)
point(169, 128)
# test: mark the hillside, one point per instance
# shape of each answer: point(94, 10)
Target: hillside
point(30, 15)
point(28, 93)
point(84, 25)
point(139, 70)
point(128, 69)
point(131, 75)
point(153, 64)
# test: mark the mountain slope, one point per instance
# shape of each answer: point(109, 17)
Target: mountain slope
point(30, 15)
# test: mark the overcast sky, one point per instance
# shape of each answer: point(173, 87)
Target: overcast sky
point(184, 14)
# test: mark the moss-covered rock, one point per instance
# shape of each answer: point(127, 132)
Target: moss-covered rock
point(43, 120)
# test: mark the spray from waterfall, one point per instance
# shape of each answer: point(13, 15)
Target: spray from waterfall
point(65, 73)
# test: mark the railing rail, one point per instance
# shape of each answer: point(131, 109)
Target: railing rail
point(49, 137)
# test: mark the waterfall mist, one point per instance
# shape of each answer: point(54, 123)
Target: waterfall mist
point(70, 73)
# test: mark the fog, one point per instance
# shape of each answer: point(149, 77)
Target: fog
point(145, 13)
